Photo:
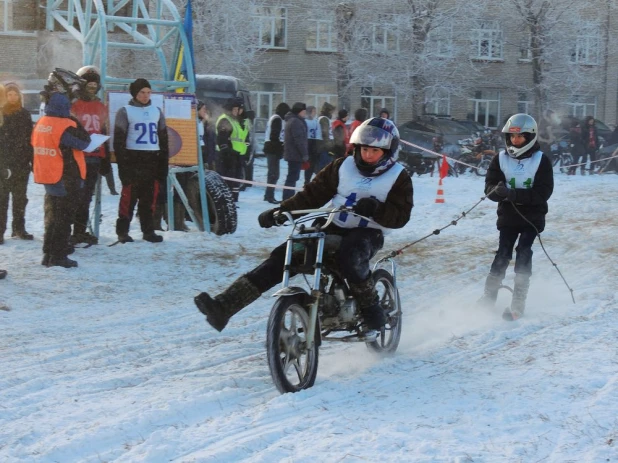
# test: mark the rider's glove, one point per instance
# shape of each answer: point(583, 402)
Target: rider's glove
point(267, 218)
point(506, 193)
point(366, 206)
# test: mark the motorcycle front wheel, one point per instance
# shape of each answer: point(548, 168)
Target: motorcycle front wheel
point(565, 161)
point(293, 364)
point(390, 302)
point(481, 169)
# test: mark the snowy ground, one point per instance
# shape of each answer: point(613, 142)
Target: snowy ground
point(111, 362)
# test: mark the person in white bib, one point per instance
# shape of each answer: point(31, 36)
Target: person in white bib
point(375, 185)
point(521, 180)
point(142, 151)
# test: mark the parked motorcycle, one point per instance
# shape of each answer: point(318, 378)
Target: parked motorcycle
point(302, 318)
point(474, 152)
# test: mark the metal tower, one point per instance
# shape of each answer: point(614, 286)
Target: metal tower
point(153, 27)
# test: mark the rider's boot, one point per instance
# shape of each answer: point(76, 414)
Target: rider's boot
point(368, 302)
point(520, 293)
point(221, 308)
point(490, 294)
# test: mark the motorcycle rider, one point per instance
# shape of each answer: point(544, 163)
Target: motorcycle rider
point(375, 185)
point(520, 180)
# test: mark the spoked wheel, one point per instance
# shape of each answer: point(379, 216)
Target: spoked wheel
point(482, 168)
point(293, 366)
point(389, 300)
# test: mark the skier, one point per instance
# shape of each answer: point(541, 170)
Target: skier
point(520, 180)
point(377, 187)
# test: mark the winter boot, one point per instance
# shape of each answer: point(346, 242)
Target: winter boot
point(492, 285)
point(369, 306)
point(85, 237)
point(124, 238)
point(152, 237)
point(520, 292)
point(219, 310)
point(158, 216)
point(61, 262)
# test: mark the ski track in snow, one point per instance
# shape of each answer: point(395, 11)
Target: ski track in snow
point(111, 362)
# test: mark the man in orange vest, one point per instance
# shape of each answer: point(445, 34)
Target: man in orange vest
point(58, 140)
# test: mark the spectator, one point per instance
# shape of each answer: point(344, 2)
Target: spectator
point(314, 134)
point(341, 135)
point(546, 134)
point(576, 145)
point(58, 140)
point(590, 138)
point(295, 145)
point(15, 162)
point(273, 149)
point(385, 114)
point(230, 145)
point(360, 116)
point(92, 114)
point(325, 146)
point(209, 138)
point(142, 151)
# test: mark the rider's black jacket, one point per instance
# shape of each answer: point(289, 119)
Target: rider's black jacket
point(393, 213)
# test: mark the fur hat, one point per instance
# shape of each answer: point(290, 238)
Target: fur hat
point(137, 85)
point(298, 107)
point(12, 87)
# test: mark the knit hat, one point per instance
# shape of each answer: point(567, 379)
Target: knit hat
point(136, 86)
point(343, 113)
point(12, 87)
point(298, 107)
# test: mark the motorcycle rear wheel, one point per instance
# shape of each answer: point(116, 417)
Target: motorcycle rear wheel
point(390, 302)
point(293, 365)
point(481, 169)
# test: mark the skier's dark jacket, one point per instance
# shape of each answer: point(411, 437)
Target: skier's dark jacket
point(392, 213)
point(531, 202)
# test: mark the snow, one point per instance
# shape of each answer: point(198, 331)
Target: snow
point(112, 362)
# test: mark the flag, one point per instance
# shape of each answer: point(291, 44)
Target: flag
point(182, 73)
point(444, 167)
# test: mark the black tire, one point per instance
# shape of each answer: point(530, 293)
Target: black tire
point(481, 169)
point(221, 208)
point(565, 160)
point(293, 366)
point(390, 302)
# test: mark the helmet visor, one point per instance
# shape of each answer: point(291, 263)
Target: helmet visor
point(372, 136)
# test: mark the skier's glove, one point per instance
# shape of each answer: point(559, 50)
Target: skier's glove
point(366, 206)
point(508, 194)
point(267, 218)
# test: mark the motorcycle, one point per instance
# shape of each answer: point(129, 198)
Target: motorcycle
point(475, 153)
point(561, 156)
point(301, 319)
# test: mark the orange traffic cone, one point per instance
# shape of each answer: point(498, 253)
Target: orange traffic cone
point(440, 195)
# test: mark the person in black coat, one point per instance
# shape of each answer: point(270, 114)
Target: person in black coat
point(520, 180)
point(295, 145)
point(15, 162)
point(578, 150)
point(590, 136)
point(273, 149)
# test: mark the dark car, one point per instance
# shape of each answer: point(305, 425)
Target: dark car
point(451, 131)
point(602, 129)
point(417, 160)
point(475, 128)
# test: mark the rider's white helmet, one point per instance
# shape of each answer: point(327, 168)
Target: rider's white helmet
point(524, 124)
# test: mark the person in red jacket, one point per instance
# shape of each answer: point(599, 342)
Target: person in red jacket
point(360, 116)
point(58, 140)
point(92, 113)
point(341, 134)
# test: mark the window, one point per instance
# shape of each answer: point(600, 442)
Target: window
point(321, 35)
point(582, 106)
point(6, 15)
point(384, 36)
point(484, 107)
point(438, 102)
point(523, 105)
point(266, 98)
point(525, 47)
point(441, 41)
point(271, 26)
point(318, 99)
point(376, 103)
point(487, 41)
point(586, 50)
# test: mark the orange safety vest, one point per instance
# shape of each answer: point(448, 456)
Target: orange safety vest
point(48, 164)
